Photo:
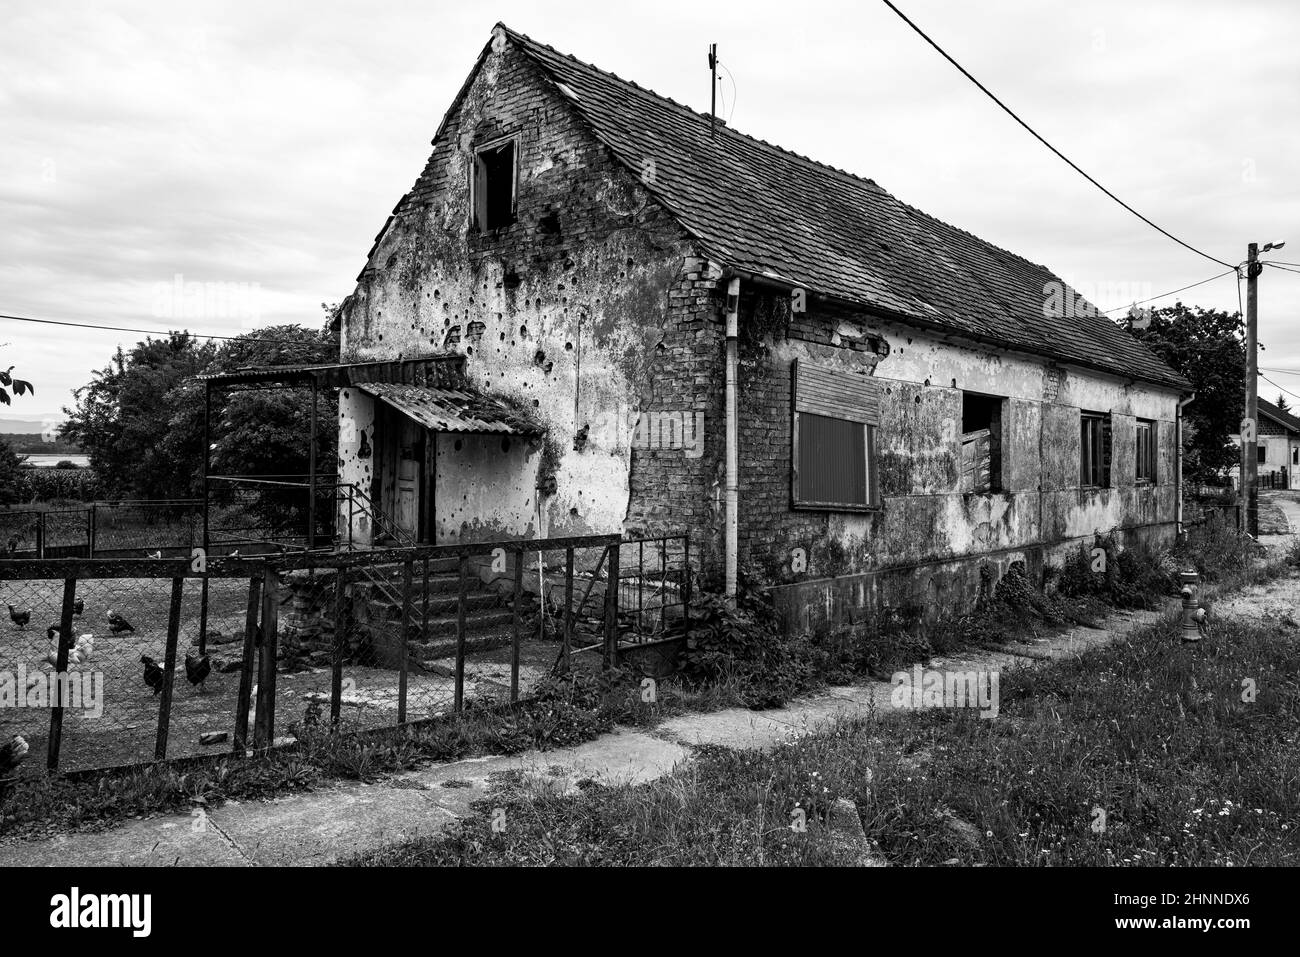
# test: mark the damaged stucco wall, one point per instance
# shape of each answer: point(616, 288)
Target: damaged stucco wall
point(586, 313)
point(928, 526)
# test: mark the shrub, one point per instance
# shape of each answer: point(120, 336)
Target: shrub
point(744, 644)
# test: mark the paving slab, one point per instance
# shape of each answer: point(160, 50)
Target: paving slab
point(170, 841)
point(325, 826)
point(731, 728)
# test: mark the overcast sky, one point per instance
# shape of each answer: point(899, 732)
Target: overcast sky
point(259, 146)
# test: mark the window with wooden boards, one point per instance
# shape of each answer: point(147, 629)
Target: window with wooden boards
point(1094, 449)
point(836, 415)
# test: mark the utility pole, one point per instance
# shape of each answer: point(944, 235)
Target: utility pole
point(1249, 494)
point(713, 90)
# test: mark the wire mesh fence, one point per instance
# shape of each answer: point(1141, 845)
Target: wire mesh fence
point(137, 528)
point(114, 662)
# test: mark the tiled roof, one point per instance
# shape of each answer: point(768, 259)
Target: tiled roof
point(451, 410)
point(1284, 419)
point(766, 211)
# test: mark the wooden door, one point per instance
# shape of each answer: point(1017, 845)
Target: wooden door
point(410, 452)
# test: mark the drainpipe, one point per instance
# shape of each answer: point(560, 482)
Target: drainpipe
point(1178, 472)
point(732, 542)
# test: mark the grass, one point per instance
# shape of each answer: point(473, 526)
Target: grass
point(734, 662)
point(1142, 752)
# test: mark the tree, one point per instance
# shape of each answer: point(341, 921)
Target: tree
point(19, 386)
point(11, 464)
point(1282, 403)
point(121, 417)
point(1208, 347)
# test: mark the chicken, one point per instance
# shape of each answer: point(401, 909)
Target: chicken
point(78, 606)
point(53, 632)
point(13, 545)
point(117, 624)
point(85, 647)
point(153, 675)
point(1202, 620)
point(20, 618)
point(197, 669)
point(13, 754)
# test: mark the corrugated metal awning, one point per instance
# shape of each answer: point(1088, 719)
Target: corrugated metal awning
point(451, 410)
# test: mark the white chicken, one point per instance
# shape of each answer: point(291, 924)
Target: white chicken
point(85, 647)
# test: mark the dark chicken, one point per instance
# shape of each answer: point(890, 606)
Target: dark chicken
point(12, 755)
point(197, 669)
point(20, 618)
point(78, 606)
point(153, 675)
point(117, 624)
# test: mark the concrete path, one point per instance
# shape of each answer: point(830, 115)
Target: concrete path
point(336, 823)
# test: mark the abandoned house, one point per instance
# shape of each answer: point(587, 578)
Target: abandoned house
point(654, 323)
point(1277, 446)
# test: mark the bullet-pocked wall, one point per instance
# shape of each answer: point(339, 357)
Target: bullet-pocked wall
point(927, 523)
point(588, 312)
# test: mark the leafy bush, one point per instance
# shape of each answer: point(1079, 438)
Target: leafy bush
point(744, 644)
point(1134, 577)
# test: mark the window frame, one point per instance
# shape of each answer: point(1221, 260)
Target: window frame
point(997, 445)
point(477, 194)
point(1094, 463)
point(810, 406)
point(1150, 453)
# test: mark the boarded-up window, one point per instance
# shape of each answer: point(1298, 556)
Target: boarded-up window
point(492, 185)
point(835, 418)
point(1094, 451)
point(981, 442)
point(1145, 461)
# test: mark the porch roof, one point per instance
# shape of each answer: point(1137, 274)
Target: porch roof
point(451, 410)
point(339, 374)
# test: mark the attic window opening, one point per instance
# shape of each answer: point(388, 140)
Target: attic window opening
point(981, 442)
point(495, 184)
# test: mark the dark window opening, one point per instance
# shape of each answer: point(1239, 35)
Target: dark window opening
point(1261, 453)
point(494, 186)
point(1145, 460)
point(981, 443)
point(1094, 452)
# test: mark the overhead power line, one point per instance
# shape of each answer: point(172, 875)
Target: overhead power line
point(1034, 133)
point(1283, 268)
point(147, 332)
point(1171, 292)
point(1276, 386)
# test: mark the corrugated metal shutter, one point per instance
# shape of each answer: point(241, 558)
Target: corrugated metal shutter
point(976, 460)
point(832, 461)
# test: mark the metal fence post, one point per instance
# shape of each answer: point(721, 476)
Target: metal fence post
point(61, 668)
point(91, 521)
point(169, 668)
point(611, 608)
point(515, 625)
point(246, 670)
point(40, 534)
point(406, 641)
point(340, 640)
point(264, 722)
point(567, 646)
point(461, 598)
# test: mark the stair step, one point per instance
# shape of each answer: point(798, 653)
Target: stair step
point(439, 606)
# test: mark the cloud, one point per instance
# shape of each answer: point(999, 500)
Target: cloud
point(265, 143)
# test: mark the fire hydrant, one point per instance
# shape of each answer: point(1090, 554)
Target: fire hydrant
point(1192, 615)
